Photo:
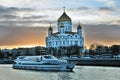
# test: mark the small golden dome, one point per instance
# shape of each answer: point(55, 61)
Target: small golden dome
point(64, 17)
point(79, 27)
point(50, 28)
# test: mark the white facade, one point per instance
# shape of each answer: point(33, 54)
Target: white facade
point(64, 37)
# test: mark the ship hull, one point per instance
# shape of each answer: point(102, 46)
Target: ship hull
point(46, 62)
point(98, 62)
point(44, 67)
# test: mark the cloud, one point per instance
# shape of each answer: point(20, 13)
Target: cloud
point(10, 36)
point(36, 17)
point(4, 9)
point(107, 9)
point(7, 16)
point(100, 15)
point(11, 16)
point(28, 16)
point(79, 9)
point(105, 34)
point(11, 12)
point(111, 3)
point(27, 3)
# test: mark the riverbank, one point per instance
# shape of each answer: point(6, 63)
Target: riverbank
point(86, 62)
point(98, 61)
point(6, 61)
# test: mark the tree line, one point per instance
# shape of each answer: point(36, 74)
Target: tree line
point(99, 49)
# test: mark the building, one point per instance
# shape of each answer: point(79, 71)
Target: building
point(64, 37)
point(38, 50)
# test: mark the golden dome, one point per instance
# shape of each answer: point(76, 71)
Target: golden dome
point(64, 17)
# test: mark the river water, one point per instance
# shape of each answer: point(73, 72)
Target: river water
point(79, 73)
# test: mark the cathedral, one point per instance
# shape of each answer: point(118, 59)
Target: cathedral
point(65, 37)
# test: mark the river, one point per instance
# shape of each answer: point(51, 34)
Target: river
point(79, 73)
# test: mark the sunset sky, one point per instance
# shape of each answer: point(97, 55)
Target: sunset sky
point(24, 23)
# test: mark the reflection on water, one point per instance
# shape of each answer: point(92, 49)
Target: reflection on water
point(64, 76)
point(79, 73)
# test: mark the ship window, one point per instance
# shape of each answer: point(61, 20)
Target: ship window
point(75, 35)
point(34, 59)
point(21, 57)
point(47, 57)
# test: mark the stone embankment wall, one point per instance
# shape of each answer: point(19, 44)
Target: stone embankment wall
point(97, 62)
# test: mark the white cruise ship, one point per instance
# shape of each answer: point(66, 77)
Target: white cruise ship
point(44, 62)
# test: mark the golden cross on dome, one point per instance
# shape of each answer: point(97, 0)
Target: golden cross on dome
point(79, 22)
point(64, 8)
point(50, 24)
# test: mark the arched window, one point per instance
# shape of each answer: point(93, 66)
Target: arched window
point(75, 35)
point(56, 43)
point(63, 42)
point(67, 42)
point(80, 42)
point(53, 43)
point(49, 44)
point(71, 42)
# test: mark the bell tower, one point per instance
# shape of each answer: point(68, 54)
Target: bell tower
point(79, 29)
point(50, 30)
